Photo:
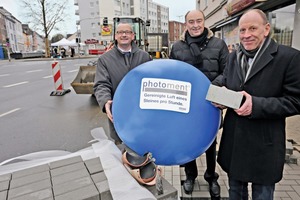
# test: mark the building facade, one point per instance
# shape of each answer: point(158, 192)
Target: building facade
point(94, 34)
point(13, 29)
point(159, 18)
point(3, 33)
point(222, 17)
point(17, 37)
point(175, 30)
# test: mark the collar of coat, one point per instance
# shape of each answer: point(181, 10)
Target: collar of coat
point(209, 35)
point(134, 47)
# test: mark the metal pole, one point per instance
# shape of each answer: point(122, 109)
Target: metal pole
point(8, 52)
point(78, 45)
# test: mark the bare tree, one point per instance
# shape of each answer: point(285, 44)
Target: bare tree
point(45, 16)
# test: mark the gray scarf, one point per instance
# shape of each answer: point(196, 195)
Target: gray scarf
point(243, 56)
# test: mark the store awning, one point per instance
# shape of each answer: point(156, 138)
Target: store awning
point(226, 22)
point(222, 23)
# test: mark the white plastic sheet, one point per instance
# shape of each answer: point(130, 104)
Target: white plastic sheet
point(122, 185)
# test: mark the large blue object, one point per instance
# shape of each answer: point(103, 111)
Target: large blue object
point(160, 107)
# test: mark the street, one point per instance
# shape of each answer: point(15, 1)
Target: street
point(31, 120)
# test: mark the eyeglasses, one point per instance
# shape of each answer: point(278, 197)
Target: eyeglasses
point(126, 32)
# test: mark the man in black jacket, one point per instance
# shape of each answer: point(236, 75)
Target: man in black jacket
point(207, 53)
point(252, 148)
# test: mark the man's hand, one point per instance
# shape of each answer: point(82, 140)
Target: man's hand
point(221, 107)
point(108, 110)
point(246, 108)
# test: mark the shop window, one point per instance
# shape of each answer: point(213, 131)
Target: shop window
point(282, 22)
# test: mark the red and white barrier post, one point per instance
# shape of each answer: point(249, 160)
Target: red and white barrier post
point(58, 82)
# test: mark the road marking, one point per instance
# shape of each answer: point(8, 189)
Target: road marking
point(2, 75)
point(38, 70)
point(12, 85)
point(48, 76)
point(9, 112)
point(75, 70)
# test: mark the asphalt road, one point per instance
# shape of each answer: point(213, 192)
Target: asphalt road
point(31, 120)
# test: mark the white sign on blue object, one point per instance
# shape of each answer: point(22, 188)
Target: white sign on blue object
point(165, 94)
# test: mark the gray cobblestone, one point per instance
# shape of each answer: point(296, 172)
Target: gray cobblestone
point(72, 185)
point(45, 194)
point(64, 162)
point(67, 169)
point(56, 180)
point(5, 177)
point(94, 165)
point(99, 177)
point(24, 180)
point(87, 193)
point(4, 185)
point(30, 188)
point(31, 170)
point(3, 195)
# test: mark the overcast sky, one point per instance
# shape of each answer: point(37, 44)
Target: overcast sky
point(177, 9)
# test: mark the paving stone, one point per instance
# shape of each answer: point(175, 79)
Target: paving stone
point(87, 193)
point(294, 195)
point(30, 188)
point(281, 194)
point(99, 177)
point(72, 185)
point(283, 188)
point(67, 169)
point(5, 177)
point(67, 161)
point(29, 171)
point(24, 180)
point(94, 165)
point(4, 185)
point(56, 180)
point(45, 194)
point(104, 190)
point(297, 189)
point(3, 195)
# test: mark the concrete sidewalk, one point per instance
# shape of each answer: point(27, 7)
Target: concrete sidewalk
point(287, 189)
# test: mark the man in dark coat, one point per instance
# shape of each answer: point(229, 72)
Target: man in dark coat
point(252, 148)
point(200, 48)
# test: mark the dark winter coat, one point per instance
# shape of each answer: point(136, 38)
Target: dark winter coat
point(252, 148)
point(214, 56)
point(112, 66)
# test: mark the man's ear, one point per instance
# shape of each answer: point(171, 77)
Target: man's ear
point(267, 29)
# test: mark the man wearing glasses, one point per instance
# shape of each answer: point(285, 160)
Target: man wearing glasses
point(112, 66)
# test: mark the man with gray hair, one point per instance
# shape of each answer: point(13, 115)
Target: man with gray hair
point(252, 148)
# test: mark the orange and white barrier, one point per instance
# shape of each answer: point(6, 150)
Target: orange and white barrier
point(58, 82)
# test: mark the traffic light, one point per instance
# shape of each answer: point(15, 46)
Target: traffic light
point(105, 21)
point(7, 40)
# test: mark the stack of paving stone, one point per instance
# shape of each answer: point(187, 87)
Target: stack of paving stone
point(66, 179)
